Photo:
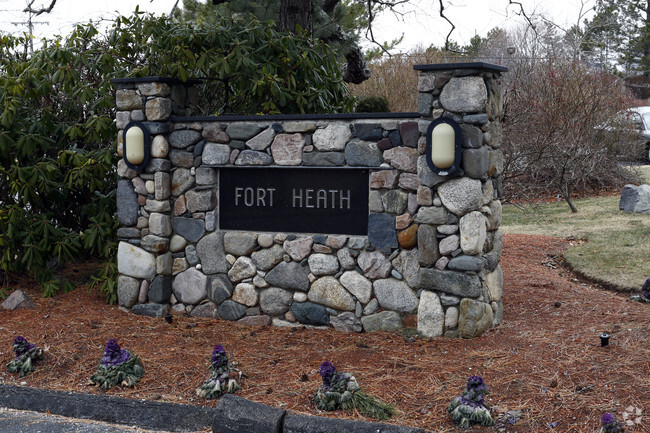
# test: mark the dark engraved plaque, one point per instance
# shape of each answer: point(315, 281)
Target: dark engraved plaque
point(300, 200)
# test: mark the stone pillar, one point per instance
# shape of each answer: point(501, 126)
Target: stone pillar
point(144, 204)
point(458, 238)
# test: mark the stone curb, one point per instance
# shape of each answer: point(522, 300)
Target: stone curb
point(238, 415)
point(232, 414)
point(146, 414)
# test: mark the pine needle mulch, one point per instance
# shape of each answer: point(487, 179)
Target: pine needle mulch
point(545, 360)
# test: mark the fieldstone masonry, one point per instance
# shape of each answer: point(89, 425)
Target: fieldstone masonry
point(431, 254)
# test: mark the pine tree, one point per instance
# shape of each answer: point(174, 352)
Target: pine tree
point(338, 23)
point(621, 29)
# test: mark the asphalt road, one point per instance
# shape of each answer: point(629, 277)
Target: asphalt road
point(19, 421)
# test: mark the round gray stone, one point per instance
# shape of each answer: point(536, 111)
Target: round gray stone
point(215, 154)
point(128, 290)
point(289, 275)
point(275, 301)
point(395, 295)
point(190, 286)
point(464, 95)
point(135, 262)
point(266, 258)
point(333, 137)
point(383, 321)
point(242, 268)
point(230, 310)
point(461, 195)
point(184, 138)
point(329, 292)
point(363, 154)
point(358, 285)
point(240, 243)
point(212, 254)
point(310, 314)
point(431, 316)
point(323, 264)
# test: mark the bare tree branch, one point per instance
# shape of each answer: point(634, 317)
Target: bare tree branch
point(453, 27)
point(522, 12)
point(390, 4)
point(174, 8)
point(40, 11)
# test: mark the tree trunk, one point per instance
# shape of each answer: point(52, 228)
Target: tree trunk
point(294, 13)
point(356, 70)
point(566, 195)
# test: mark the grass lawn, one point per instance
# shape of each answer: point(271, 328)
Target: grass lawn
point(611, 247)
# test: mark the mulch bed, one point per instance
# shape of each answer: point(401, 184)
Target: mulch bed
point(545, 360)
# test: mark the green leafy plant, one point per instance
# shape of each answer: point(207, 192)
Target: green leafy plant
point(220, 381)
point(26, 354)
point(57, 155)
point(645, 295)
point(341, 391)
point(372, 104)
point(469, 409)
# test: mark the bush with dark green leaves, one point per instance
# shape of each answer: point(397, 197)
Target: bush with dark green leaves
point(57, 158)
point(57, 135)
point(373, 104)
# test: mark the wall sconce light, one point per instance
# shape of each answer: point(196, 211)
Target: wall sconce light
point(444, 146)
point(136, 145)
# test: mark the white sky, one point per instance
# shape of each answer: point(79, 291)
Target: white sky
point(421, 25)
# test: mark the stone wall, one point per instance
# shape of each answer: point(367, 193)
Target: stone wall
point(431, 256)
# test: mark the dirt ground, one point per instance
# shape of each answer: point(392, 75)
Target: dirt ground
point(545, 360)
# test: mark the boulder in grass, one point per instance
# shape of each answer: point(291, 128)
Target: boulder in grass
point(18, 299)
point(635, 199)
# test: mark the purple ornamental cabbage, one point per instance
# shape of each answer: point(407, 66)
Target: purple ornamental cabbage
point(219, 381)
point(476, 383)
point(341, 391)
point(327, 372)
point(475, 392)
point(114, 355)
point(22, 346)
point(218, 353)
point(610, 424)
point(468, 408)
point(607, 418)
